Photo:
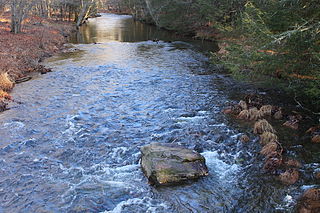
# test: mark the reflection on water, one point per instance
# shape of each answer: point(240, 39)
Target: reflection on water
point(123, 28)
point(73, 144)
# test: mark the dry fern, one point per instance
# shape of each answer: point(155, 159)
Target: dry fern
point(243, 105)
point(269, 148)
point(244, 114)
point(268, 137)
point(266, 110)
point(254, 114)
point(262, 126)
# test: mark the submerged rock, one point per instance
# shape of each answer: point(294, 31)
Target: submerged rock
point(165, 164)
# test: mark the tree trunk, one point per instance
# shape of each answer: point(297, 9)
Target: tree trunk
point(84, 13)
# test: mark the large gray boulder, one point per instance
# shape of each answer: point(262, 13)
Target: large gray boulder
point(165, 164)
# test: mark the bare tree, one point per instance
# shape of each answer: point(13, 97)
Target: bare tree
point(85, 8)
point(78, 10)
point(19, 10)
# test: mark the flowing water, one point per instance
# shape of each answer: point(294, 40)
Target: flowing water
point(72, 143)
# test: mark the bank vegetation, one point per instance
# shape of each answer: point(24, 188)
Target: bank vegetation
point(269, 42)
point(31, 30)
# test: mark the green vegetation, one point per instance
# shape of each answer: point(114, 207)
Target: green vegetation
point(277, 41)
point(270, 41)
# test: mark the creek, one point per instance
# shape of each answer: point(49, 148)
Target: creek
point(72, 143)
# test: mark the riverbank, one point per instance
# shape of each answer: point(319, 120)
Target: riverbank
point(20, 54)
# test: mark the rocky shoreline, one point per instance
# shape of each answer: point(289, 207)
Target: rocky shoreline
point(278, 160)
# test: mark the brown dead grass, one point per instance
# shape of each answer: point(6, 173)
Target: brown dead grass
point(290, 176)
point(4, 95)
point(20, 53)
point(266, 110)
point(268, 137)
point(262, 126)
point(243, 105)
point(269, 148)
point(5, 83)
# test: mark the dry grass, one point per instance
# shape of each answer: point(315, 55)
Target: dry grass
point(243, 105)
point(262, 126)
point(4, 95)
point(268, 137)
point(266, 110)
point(278, 115)
point(5, 83)
point(20, 53)
point(251, 114)
point(244, 114)
point(269, 148)
point(254, 114)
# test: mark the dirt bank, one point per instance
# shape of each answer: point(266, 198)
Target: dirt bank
point(20, 54)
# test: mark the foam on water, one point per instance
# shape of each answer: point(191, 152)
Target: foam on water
point(224, 171)
point(145, 204)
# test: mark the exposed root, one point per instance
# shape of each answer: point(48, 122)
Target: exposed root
point(24, 79)
point(313, 129)
point(262, 126)
point(5, 83)
point(290, 176)
point(268, 137)
point(251, 114)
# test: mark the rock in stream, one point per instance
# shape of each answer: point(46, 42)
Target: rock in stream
point(165, 164)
